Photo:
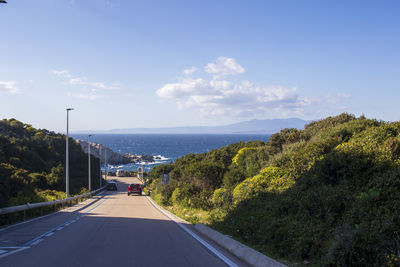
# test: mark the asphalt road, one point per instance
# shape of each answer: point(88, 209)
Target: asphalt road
point(111, 229)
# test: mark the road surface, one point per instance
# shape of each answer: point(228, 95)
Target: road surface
point(110, 229)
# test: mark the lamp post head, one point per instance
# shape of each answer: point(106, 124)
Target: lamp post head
point(68, 109)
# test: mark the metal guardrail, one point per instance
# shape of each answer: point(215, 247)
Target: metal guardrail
point(29, 206)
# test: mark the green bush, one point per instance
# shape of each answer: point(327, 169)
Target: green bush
point(182, 195)
point(32, 160)
point(269, 179)
point(50, 195)
point(233, 176)
point(328, 194)
point(221, 198)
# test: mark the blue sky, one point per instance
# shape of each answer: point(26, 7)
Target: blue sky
point(133, 64)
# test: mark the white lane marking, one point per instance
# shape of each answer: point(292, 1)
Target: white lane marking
point(2, 251)
point(37, 242)
point(49, 234)
point(60, 227)
point(39, 238)
point(201, 241)
point(12, 252)
point(53, 213)
point(93, 208)
point(31, 220)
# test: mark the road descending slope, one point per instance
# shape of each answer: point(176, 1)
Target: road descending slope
point(110, 229)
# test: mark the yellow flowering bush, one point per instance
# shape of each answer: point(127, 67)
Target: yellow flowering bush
point(269, 179)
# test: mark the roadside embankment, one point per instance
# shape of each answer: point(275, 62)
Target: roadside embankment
point(241, 251)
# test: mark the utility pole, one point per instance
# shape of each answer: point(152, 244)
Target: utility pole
point(67, 157)
point(90, 177)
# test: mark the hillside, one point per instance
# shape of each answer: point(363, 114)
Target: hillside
point(325, 195)
point(112, 157)
point(32, 165)
point(96, 149)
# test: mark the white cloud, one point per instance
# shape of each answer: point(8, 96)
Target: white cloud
point(186, 87)
point(95, 85)
point(58, 72)
point(8, 87)
point(84, 83)
point(63, 73)
point(190, 71)
point(224, 66)
point(85, 96)
point(217, 95)
point(222, 97)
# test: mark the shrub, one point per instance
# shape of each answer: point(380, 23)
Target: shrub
point(269, 179)
point(233, 177)
point(328, 194)
point(221, 197)
point(181, 195)
point(238, 160)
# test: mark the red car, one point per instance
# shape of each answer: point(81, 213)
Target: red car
point(135, 189)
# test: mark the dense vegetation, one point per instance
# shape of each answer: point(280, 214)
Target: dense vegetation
point(32, 165)
point(328, 194)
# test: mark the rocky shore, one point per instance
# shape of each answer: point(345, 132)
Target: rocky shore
point(112, 157)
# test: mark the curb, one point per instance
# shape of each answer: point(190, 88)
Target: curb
point(181, 223)
point(245, 253)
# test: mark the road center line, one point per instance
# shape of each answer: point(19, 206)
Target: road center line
point(39, 239)
point(12, 252)
point(37, 242)
point(47, 215)
point(61, 226)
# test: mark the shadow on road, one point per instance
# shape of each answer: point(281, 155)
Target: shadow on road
point(114, 241)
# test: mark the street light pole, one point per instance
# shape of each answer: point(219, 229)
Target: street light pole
point(100, 167)
point(105, 163)
point(67, 157)
point(90, 177)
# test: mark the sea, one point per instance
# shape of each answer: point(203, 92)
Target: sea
point(165, 148)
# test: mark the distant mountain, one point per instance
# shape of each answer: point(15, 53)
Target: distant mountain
point(268, 126)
